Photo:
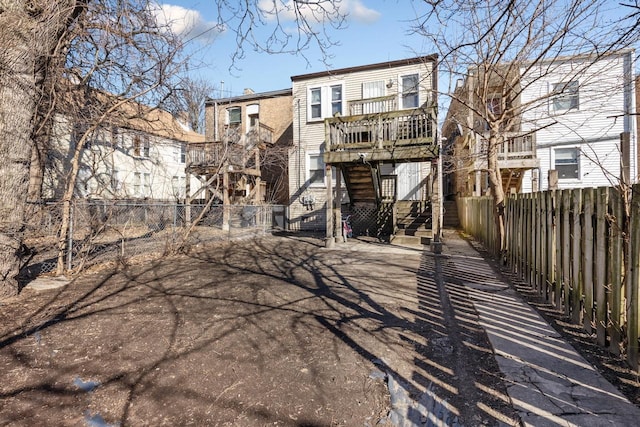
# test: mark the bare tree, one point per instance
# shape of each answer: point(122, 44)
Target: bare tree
point(313, 22)
point(32, 34)
point(500, 49)
point(43, 43)
point(119, 63)
point(190, 98)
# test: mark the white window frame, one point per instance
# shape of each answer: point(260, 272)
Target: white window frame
point(401, 92)
point(323, 184)
point(183, 153)
point(228, 116)
point(562, 92)
point(252, 112)
point(179, 186)
point(146, 184)
point(116, 183)
point(137, 184)
point(326, 101)
point(578, 161)
point(141, 145)
point(308, 169)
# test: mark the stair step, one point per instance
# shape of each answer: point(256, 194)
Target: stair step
point(410, 240)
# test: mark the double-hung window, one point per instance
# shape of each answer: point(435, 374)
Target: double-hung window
point(336, 100)
point(316, 169)
point(234, 116)
point(315, 103)
point(566, 96)
point(567, 163)
point(325, 101)
point(410, 86)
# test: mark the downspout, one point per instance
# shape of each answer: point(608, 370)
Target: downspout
point(299, 144)
point(215, 121)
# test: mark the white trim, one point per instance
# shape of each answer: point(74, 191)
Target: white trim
point(579, 159)
point(400, 90)
point(325, 100)
point(553, 97)
point(307, 159)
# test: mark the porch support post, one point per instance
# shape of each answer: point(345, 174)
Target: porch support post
point(187, 207)
point(330, 240)
point(226, 208)
point(436, 206)
point(337, 207)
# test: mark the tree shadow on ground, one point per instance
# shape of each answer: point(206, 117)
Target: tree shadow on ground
point(253, 332)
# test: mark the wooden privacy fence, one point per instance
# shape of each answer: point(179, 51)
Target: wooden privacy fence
point(579, 249)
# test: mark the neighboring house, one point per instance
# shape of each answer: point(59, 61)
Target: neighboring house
point(637, 128)
point(576, 124)
point(141, 154)
point(376, 125)
point(248, 138)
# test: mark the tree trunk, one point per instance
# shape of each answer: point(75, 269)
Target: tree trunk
point(497, 190)
point(29, 31)
point(17, 104)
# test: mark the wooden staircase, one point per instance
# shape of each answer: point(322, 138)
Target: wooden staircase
point(413, 223)
point(450, 218)
point(362, 181)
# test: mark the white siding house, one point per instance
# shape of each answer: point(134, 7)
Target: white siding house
point(143, 158)
point(318, 96)
point(578, 130)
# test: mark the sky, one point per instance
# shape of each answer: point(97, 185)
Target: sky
point(375, 31)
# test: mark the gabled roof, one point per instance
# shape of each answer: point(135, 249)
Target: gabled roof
point(91, 105)
point(155, 121)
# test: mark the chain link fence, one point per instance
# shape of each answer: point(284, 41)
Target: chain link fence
point(103, 231)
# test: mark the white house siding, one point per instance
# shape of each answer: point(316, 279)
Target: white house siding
point(606, 93)
point(109, 166)
point(309, 136)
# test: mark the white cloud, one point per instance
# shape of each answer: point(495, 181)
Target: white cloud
point(354, 10)
point(361, 13)
point(186, 23)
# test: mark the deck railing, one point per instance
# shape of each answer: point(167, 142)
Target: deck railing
point(369, 131)
point(381, 104)
point(260, 134)
point(514, 147)
point(236, 150)
point(216, 153)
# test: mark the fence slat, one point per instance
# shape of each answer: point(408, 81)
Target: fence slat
point(587, 258)
point(581, 249)
point(602, 196)
point(551, 251)
point(566, 249)
point(576, 257)
point(615, 271)
point(633, 319)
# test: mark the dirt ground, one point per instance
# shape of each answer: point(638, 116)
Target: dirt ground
point(273, 331)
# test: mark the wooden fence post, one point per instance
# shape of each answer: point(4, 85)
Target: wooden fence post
point(576, 257)
point(559, 217)
point(587, 258)
point(551, 249)
point(600, 276)
point(633, 319)
point(566, 249)
point(616, 272)
point(544, 249)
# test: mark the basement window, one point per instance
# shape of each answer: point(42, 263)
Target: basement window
point(567, 163)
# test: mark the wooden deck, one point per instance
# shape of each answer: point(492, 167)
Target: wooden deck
point(406, 135)
point(239, 152)
point(518, 151)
